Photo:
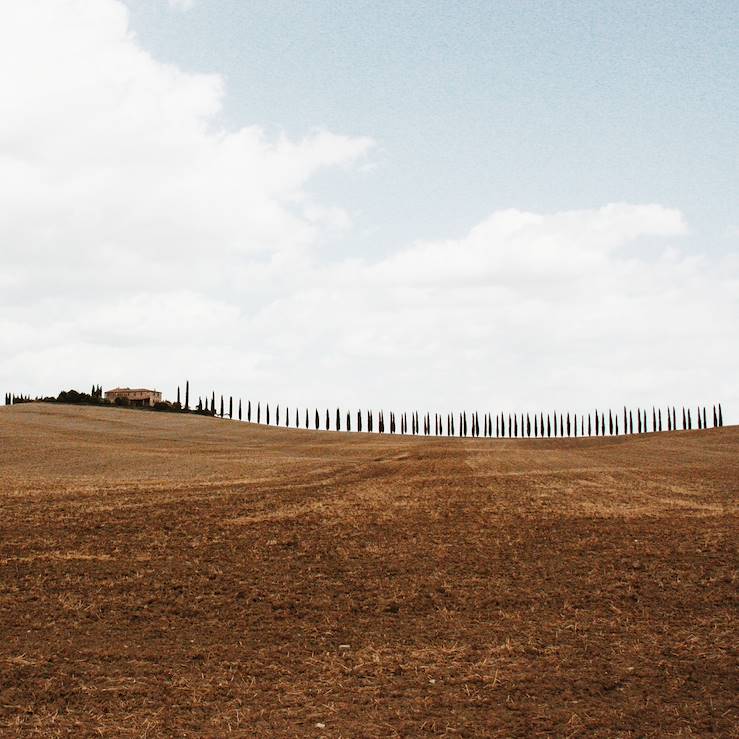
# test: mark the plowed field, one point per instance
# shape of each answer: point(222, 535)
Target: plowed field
point(168, 575)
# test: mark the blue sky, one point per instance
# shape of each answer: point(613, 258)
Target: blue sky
point(483, 105)
point(499, 206)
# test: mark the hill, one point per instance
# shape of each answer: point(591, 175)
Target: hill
point(165, 574)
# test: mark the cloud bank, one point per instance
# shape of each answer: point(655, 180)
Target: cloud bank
point(143, 242)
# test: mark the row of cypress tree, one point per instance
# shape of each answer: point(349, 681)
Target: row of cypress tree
point(511, 425)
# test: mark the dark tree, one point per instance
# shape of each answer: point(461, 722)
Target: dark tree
point(625, 424)
point(178, 395)
point(222, 407)
point(231, 407)
point(669, 420)
point(568, 425)
point(654, 419)
point(327, 420)
point(699, 418)
point(705, 425)
point(715, 420)
point(187, 395)
point(248, 411)
point(638, 420)
point(690, 421)
point(277, 415)
point(631, 423)
point(464, 420)
point(659, 419)
point(610, 422)
point(287, 417)
point(338, 420)
point(720, 416)
point(199, 406)
point(685, 420)
point(239, 409)
point(267, 414)
point(297, 418)
point(590, 427)
point(213, 403)
point(317, 420)
point(348, 421)
point(616, 419)
point(259, 412)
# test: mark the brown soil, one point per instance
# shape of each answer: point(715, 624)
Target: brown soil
point(169, 575)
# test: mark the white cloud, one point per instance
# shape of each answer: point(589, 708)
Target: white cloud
point(142, 242)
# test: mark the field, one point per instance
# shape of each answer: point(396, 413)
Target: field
point(175, 575)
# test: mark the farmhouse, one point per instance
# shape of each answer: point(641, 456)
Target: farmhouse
point(135, 396)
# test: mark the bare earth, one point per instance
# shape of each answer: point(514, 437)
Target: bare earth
point(168, 575)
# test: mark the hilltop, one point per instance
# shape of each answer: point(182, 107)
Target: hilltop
point(175, 574)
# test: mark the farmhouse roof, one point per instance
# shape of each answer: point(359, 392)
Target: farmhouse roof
point(130, 390)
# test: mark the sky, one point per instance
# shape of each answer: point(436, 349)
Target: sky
point(407, 205)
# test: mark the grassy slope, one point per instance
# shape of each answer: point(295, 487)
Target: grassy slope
point(189, 575)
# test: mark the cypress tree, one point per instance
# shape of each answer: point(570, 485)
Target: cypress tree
point(631, 423)
point(277, 415)
point(715, 421)
point(239, 409)
point(669, 420)
point(213, 403)
point(267, 414)
point(690, 421)
point(187, 395)
point(178, 395)
point(574, 423)
point(287, 417)
point(561, 425)
point(616, 419)
point(610, 422)
point(568, 424)
point(259, 412)
point(222, 407)
point(348, 421)
point(685, 421)
point(554, 423)
point(338, 420)
point(231, 407)
point(464, 419)
point(654, 419)
point(328, 423)
point(705, 426)
point(199, 406)
point(720, 416)
point(590, 428)
point(317, 421)
point(699, 418)
point(638, 420)
point(659, 418)
point(625, 424)
point(248, 411)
